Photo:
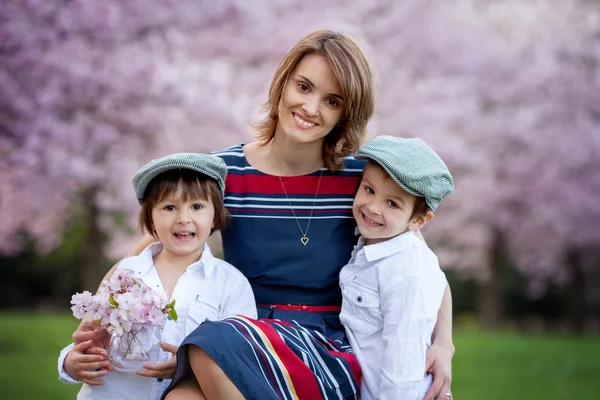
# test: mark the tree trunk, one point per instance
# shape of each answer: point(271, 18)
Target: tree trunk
point(490, 290)
point(93, 268)
point(576, 292)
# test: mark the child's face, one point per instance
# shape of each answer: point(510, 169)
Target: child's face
point(183, 226)
point(382, 209)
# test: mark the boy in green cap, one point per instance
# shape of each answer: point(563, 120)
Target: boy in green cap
point(393, 286)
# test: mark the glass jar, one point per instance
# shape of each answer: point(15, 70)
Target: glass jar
point(129, 351)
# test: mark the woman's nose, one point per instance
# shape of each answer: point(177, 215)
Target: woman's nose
point(311, 106)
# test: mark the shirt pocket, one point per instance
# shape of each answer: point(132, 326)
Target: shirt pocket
point(361, 311)
point(201, 310)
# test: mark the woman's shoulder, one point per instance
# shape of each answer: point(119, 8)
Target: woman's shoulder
point(350, 162)
point(232, 152)
point(351, 167)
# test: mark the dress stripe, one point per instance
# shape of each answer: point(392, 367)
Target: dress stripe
point(289, 358)
point(267, 184)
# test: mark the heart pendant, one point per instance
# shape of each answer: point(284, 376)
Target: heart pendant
point(304, 240)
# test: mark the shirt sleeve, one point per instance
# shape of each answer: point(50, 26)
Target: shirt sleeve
point(62, 375)
point(240, 301)
point(406, 324)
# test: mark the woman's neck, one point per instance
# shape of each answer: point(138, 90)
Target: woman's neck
point(284, 158)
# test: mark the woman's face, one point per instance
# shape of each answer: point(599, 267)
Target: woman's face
point(311, 103)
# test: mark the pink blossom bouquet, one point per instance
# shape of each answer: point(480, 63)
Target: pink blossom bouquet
point(132, 312)
point(123, 304)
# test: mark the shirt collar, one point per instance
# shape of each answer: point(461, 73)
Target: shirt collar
point(384, 249)
point(206, 263)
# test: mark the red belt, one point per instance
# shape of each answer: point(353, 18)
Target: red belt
point(301, 307)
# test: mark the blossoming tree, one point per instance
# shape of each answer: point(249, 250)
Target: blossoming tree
point(506, 92)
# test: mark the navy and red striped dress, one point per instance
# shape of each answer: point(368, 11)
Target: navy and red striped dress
point(285, 354)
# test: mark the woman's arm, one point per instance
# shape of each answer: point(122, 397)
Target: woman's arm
point(146, 241)
point(439, 355)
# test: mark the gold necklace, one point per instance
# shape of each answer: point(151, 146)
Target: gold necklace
point(304, 239)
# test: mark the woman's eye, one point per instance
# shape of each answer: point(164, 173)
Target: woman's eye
point(369, 190)
point(303, 87)
point(170, 208)
point(197, 206)
point(333, 103)
point(392, 204)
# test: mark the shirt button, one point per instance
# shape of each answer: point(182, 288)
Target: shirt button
point(359, 299)
point(159, 379)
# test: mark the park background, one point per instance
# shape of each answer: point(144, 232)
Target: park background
point(506, 91)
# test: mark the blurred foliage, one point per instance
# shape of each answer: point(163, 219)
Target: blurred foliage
point(47, 281)
point(31, 279)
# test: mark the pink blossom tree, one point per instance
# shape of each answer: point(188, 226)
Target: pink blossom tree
point(505, 91)
point(512, 105)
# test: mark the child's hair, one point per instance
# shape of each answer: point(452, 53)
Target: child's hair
point(420, 208)
point(193, 186)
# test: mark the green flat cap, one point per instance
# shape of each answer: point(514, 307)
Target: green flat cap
point(211, 166)
point(413, 165)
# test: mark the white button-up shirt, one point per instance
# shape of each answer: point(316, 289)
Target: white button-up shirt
point(209, 289)
point(392, 292)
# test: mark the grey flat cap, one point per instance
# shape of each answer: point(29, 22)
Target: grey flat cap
point(211, 166)
point(413, 165)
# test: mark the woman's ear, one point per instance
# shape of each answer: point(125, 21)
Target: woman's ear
point(419, 222)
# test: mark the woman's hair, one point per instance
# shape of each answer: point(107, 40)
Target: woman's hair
point(193, 186)
point(353, 72)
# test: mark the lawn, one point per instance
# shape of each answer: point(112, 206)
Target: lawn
point(487, 365)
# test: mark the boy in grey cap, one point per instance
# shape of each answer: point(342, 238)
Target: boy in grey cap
point(393, 286)
point(181, 198)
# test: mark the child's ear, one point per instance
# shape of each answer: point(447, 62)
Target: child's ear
point(420, 221)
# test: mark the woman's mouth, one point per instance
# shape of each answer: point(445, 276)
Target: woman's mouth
point(302, 122)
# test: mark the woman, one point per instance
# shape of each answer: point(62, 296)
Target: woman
point(290, 195)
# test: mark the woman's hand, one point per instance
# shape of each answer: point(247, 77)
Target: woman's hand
point(439, 363)
point(89, 366)
point(164, 370)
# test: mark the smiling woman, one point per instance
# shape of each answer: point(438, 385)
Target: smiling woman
point(311, 105)
point(324, 80)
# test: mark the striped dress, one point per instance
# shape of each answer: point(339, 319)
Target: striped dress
point(285, 354)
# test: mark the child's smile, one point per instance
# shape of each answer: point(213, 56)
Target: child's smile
point(183, 225)
point(368, 220)
point(184, 236)
point(381, 208)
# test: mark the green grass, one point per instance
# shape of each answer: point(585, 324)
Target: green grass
point(500, 366)
point(29, 348)
point(486, 366)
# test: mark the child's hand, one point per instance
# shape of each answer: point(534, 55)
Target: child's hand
point(164, 370)
point(87, 367)
point(91, 330)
